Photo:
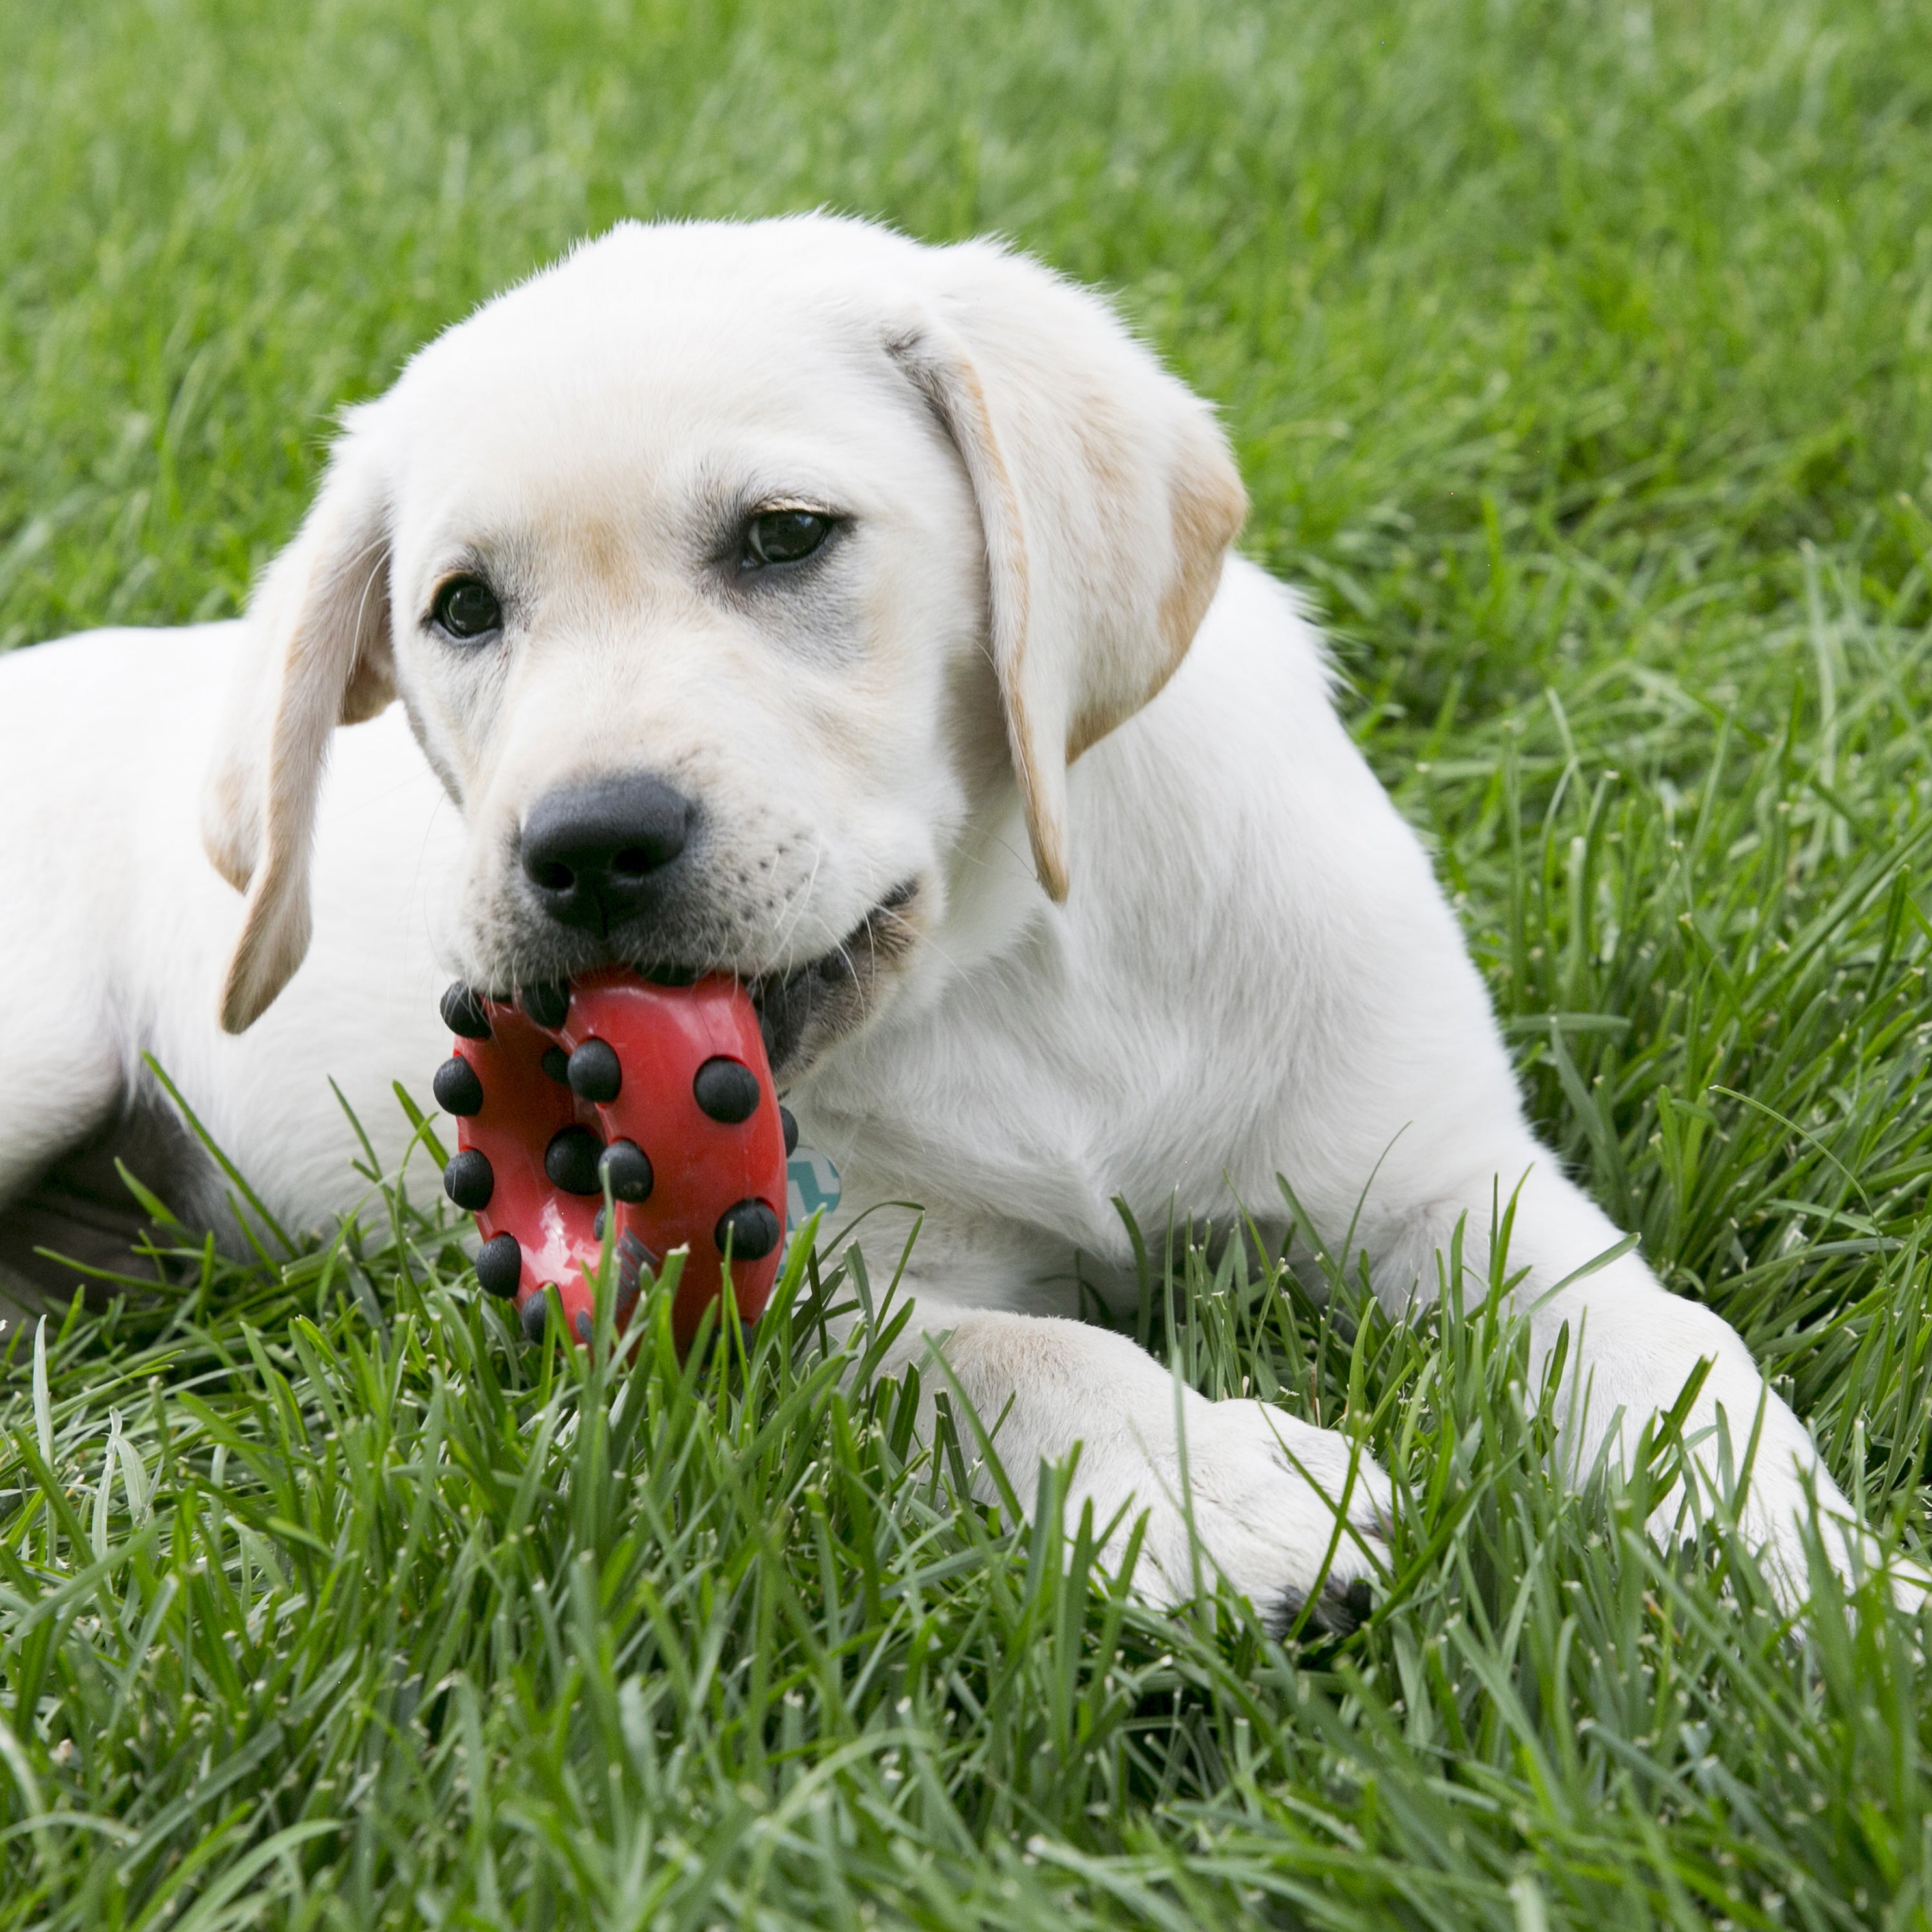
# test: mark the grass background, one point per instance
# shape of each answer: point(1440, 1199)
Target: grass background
point(1577, 358)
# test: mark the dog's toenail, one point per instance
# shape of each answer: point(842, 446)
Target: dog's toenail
point(462, 1013)
point(583, 1325)
point(469, 1180)
point(499, 1266)
point(457, 1088)
point(727, 1089)
point(628, 1168)
point(571, 1160)
point(751, 1227)
point(547, 1004)
point(595, 1072)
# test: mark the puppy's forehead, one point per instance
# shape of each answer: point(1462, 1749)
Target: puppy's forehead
point(583, 384)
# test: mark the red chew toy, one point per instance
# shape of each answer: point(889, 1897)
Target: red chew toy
point(665, 1091)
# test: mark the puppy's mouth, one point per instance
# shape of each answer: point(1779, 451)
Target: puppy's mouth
point(806, 1009)
point(803, 1009)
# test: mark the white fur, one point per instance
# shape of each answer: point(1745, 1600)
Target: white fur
point(1253, 971)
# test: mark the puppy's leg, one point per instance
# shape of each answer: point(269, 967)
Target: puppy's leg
point(1286, 1512)
point(61, 1082)
point(1633, 1346)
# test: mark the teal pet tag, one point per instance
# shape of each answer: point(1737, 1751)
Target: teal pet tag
point(812, 1186)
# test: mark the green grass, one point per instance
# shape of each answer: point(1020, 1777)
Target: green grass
point(1578, 359)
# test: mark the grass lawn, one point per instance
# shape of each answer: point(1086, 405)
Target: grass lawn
point(1578, 359)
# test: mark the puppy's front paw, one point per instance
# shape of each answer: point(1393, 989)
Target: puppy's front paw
point(1293, 1517)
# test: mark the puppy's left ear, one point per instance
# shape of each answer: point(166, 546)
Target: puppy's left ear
point(1106, 493)
point(316, 655)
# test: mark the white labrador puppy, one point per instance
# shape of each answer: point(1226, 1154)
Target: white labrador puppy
point(793, 599)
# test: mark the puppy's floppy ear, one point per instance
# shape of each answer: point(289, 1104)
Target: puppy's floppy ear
point(1107, 495)
point(317, 655)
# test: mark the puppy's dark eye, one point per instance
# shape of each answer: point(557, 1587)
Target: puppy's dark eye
point(466, 607)
point(783, 536)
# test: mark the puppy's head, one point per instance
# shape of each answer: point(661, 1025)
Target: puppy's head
point(726, 572)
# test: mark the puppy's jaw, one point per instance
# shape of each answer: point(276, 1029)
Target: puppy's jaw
point(815, 1006)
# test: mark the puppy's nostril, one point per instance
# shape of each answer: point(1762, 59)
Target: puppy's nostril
point(555, 878)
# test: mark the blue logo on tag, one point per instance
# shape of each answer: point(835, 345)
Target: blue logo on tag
point(811, 1184)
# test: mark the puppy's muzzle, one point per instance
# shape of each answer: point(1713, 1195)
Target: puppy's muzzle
point(595, 856)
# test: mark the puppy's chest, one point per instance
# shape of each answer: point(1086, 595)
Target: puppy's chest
point(1026, 1124)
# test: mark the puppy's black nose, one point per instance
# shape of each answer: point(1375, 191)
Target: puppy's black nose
point(593, 854)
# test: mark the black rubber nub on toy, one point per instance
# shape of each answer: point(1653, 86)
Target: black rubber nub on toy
point(462, 1013)
point(571, 1160)
point(556, 1064)
point(457, 1088)
point(788, 1121)
point(595, 1073)
point(751, 1228)
point(469, 1179)
point(727, 1089)
point(628, 1168)
point(499, 1266)
point(535, 1313)
point(548, 1004)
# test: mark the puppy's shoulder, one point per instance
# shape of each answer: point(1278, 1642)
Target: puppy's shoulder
point(1259, 635)
point(1258, 681)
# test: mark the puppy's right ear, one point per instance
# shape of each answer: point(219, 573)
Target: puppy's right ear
point(317, 655)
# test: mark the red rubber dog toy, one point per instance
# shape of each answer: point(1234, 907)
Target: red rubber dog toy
point(665, 1092)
